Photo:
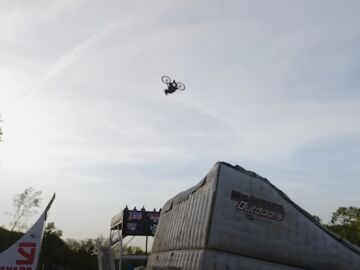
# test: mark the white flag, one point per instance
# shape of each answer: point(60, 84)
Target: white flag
point(24, 254)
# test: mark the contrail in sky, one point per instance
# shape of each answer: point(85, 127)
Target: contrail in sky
point(65, 60)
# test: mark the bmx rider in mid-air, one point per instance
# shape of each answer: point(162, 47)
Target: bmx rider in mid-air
point(172, 86)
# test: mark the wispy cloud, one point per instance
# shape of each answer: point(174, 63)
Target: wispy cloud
point(269, 86)
point(69, 57)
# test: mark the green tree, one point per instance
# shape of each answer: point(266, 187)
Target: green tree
point(345, 221)
point(54, 250)
point(345, 215)
point(70, 254)
point(84, 254)
point(317, 219)
point(134, 251)
point(51, 230)
point(8, 238)
point(25, 205)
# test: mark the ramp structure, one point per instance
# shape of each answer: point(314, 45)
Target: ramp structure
point(235, 219)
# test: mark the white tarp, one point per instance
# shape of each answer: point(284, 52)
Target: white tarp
point(24, 254)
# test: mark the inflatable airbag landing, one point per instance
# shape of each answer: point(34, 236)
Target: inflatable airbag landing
point(235, 219)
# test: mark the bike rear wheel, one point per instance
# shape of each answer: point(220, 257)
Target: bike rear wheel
point(180, 86)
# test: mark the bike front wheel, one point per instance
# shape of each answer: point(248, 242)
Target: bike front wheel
point(165, 79)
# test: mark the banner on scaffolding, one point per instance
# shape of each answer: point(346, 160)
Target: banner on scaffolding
point(141, 223)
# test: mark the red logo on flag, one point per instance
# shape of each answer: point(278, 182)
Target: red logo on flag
point(27, 250)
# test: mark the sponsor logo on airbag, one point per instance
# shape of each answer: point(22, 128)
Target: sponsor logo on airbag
point(256, 206)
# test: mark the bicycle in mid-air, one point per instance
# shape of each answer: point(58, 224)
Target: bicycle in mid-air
point(172, 86)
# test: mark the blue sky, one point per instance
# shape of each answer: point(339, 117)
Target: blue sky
point(271, 86)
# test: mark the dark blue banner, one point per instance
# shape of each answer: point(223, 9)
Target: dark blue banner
point(141, 223)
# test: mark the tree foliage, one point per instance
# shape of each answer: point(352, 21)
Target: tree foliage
point(134, 251)
point(53, 247)
point(8, 238)
point(345, 216)
point(318, 219)
point(25, 205)
point(68, 255)
point(345, 221)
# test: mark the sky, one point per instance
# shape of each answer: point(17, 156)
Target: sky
point(273, 86)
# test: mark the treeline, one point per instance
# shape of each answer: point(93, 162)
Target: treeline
point(58, 254)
